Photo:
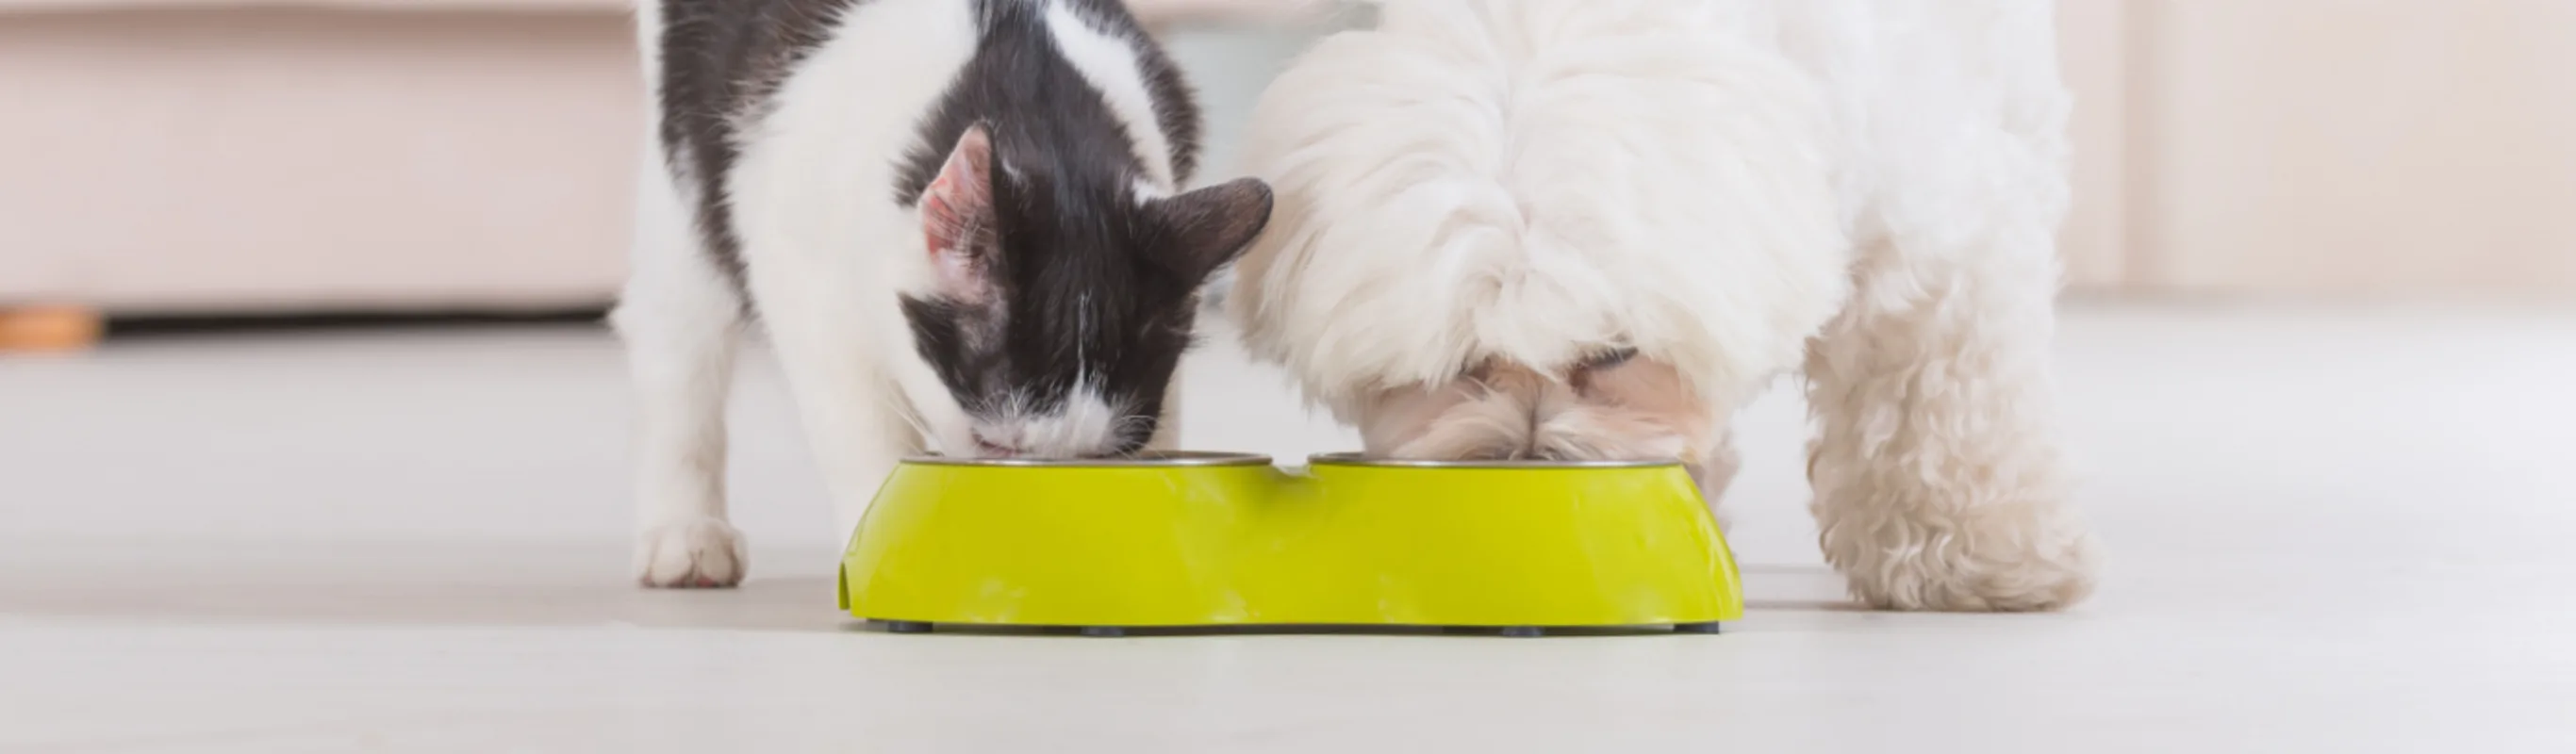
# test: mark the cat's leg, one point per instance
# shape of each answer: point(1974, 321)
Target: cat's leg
point(680, 318)
point(836, 352)
point(1938, 480)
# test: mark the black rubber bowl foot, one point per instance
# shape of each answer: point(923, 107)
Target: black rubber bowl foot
point(1103, 632)
point(906, 627)
point(1710, 627)
point(1524, 632)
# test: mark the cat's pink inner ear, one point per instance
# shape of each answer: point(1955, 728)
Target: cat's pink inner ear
point(957, 216)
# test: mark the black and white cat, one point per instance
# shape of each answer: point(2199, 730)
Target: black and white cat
point(959, 221)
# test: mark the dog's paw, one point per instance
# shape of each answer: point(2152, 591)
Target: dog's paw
point(1981, 564)
point(701, 553)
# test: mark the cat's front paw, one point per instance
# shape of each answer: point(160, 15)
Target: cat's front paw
point(699, 553)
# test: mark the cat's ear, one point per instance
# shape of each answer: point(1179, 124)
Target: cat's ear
point(957, 218)
point(1204, 229)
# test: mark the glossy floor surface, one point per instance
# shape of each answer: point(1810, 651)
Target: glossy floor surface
point(2330, 531)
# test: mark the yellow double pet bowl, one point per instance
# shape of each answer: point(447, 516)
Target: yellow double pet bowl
point(1216, 540)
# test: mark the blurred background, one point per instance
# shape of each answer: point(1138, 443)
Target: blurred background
point(369, 240)
point(193, 157)
point(299, 321)
point(349, 254)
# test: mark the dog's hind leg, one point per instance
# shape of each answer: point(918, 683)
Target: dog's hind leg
point(1938, 480)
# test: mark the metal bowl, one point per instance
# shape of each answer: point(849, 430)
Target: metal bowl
point(1153, 459)
point(1355, 459)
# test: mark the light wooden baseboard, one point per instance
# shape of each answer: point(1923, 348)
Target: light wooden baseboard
point(46, 329)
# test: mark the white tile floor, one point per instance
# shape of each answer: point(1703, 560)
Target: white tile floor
point(2331, 531)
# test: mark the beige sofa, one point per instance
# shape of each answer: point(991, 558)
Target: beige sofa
point(190, 156)
point(187, 156)
point(214, 156)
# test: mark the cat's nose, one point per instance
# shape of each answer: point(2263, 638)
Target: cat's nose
point(986, 447)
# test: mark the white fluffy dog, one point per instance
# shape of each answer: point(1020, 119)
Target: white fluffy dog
point(1585, 229)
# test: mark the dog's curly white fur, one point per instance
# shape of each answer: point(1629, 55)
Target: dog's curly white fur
point(1480, 198)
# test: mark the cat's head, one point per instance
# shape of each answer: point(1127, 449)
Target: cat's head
point(1057, 310)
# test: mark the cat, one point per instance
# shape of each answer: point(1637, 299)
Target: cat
point(960, 222)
